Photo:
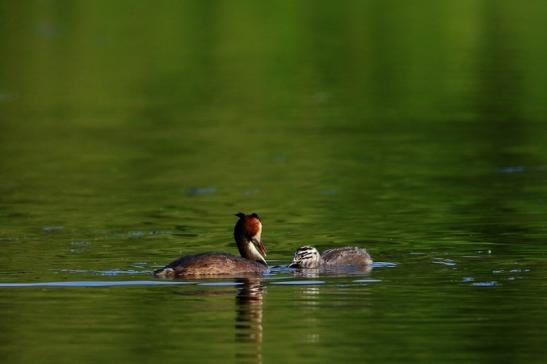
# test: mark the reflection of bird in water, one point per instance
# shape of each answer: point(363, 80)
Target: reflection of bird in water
point(249, 317)
point(247, 234)
point(338, 258)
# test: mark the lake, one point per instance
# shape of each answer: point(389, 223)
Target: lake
point(131, 133)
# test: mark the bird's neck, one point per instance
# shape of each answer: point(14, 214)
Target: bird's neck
point(248, 251)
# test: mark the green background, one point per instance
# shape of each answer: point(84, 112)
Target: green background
point(132, 131)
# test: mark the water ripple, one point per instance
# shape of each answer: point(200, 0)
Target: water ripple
point(448, 262)
point(299, 283)
point(220, 284)
point(384, 264)
point(485, 284)
point(368, 280)
point(92, 284)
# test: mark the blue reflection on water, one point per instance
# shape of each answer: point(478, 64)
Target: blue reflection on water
point(93, 284)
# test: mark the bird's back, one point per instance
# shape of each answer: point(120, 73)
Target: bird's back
point(348, 255)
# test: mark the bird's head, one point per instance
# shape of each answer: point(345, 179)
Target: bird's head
point(306, 257)
point(247, 234)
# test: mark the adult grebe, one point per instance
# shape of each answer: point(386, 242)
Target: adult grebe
point(247, 233)
point(349, 256)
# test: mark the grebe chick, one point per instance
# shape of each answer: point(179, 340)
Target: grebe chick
point(309, 257)
point(247, 232)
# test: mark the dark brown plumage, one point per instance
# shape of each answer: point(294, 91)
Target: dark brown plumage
point(211, 263)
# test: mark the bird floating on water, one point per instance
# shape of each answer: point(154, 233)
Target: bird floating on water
point(350, 256)
point(247, 234)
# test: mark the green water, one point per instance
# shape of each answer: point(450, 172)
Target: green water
point(131, 132)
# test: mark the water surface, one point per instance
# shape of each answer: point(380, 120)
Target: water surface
point(131, 133)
